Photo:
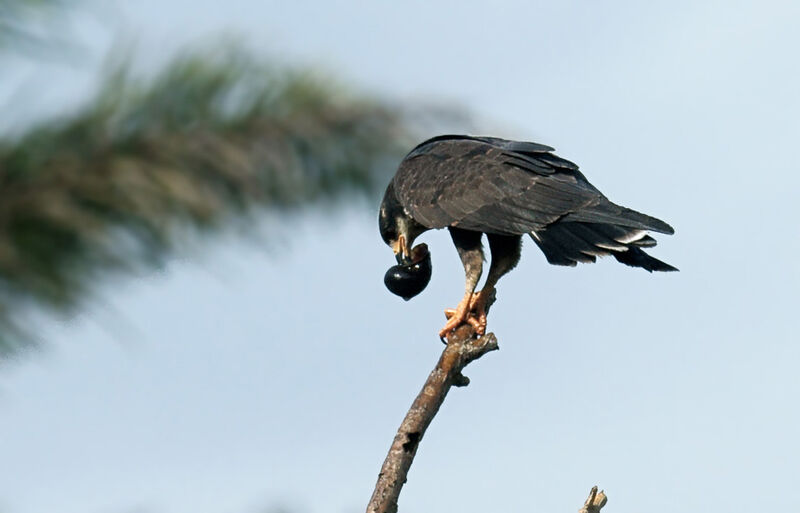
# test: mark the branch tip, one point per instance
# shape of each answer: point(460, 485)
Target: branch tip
point(595, 502)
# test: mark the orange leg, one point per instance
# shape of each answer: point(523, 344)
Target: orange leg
point(505, 255)
point(470, 251)
point(477, 306)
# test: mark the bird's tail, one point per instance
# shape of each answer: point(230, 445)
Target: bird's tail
point(567, 243)
point(608, 213)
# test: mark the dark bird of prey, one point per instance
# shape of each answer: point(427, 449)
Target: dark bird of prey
point(505, 189)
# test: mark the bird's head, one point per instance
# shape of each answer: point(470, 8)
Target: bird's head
point(398, 230)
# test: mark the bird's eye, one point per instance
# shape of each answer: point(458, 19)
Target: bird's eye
point(407, 281)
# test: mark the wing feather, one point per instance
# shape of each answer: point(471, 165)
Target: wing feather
point(505, 187)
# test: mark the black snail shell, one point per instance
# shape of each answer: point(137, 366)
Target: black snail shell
point(409, 280)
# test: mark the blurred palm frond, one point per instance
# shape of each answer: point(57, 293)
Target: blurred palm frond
point(32, 25)
point(204, 141)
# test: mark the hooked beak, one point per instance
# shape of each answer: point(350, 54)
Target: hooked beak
point(401, 252)
point(408, 256)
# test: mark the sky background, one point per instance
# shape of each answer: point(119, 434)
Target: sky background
point(250, 376)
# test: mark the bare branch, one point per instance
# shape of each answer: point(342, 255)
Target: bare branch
point(462, 348)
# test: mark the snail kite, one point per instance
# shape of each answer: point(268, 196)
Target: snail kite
point(505, 189)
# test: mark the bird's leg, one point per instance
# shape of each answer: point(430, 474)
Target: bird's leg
point(470, 251)
point(506, 251)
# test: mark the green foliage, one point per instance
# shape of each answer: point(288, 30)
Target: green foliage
point(212, 138)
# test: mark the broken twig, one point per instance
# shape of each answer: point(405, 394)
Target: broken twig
point(595, 502)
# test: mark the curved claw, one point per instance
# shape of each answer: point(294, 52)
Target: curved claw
point(452, 323)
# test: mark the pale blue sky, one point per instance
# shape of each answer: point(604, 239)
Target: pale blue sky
point(243, 378)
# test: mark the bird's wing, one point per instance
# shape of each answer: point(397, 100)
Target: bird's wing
point(505, 187)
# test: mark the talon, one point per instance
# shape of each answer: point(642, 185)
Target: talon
point(471, 309)
point(452, 323)
point(476, 323)
point(458, 316)
point(477, 305)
